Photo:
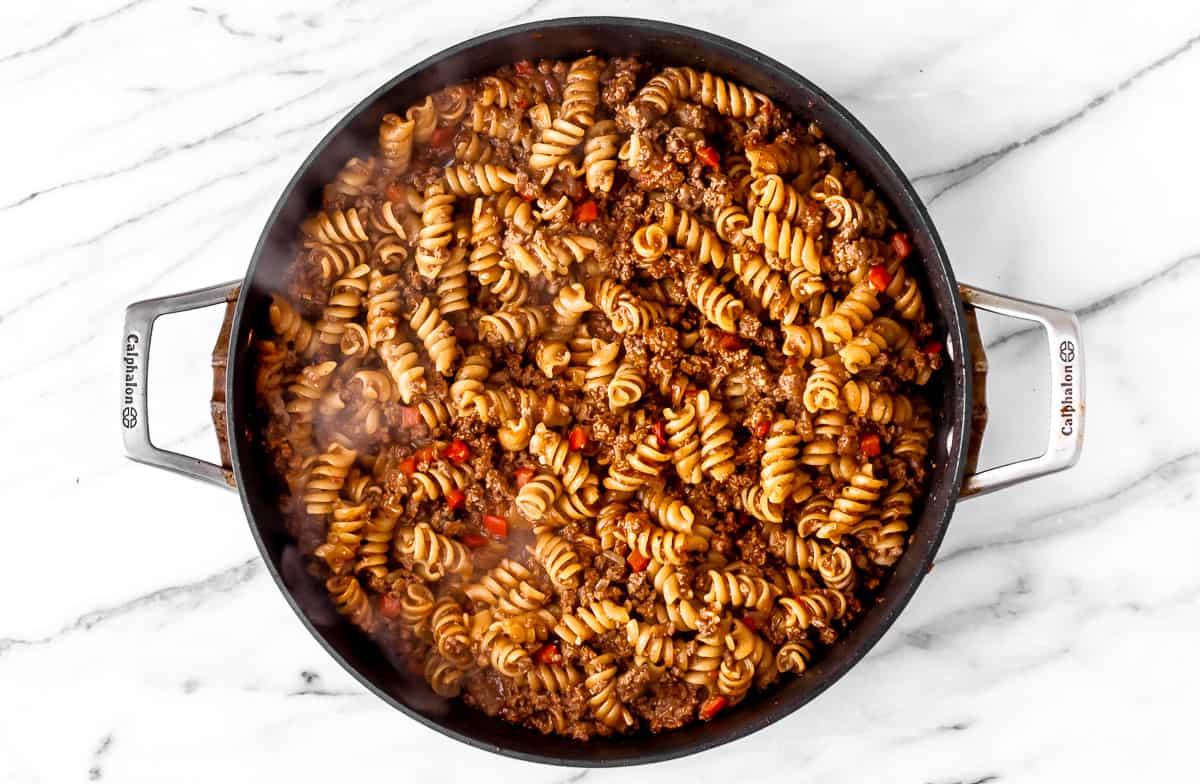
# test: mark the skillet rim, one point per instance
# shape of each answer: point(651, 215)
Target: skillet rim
point(939, 503)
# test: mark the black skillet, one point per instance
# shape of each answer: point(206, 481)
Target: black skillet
point(248, 469)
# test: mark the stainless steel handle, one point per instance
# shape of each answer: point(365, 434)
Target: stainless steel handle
point(135, 367)
point(1066, 397)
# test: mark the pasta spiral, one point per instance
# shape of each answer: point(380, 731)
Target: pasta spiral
point(569, 306)
point(452, 283)
point(823, 390)
point(552, 678)
point(433, 412)
point(506, 576)
point(438, 554)
point(639, 467)
point(383, 307)
point(581, 505)
point(553, 452)
point(416, 605)
point(881, 407)
point(537, 497)
point(404, 366)
point(487, 263)
point(345, 303)
point(424, 117)
point(850, 315)
point(506, 657)
point(730, 223)
point(662, 92)
point(779, 465)
point(880, 335)
point(661, 545)
point(670, 512)
point(516, 211)
point(326, 477)
point(309, 386)
point(627, 313)
point(388, 218)
point(794, 656)
point(678, 84)
point(653, 644)
point(730, 589)
point(718, 305)
point(291, 326)
point(837, 569)
point(552, 255)
point(335, 259)
point(803, 341)
point(775, 195)
point(814, 518)
point(774, 158)
point(468, 383)
point(437, 230)
point(784, 240)
point(728, 98)
point(337, 226)
point(856, 497)
point(765, 283)
point(706, 661)
point(815, 608)
point(588, 621)
point(757, 504)
point(693, 236)
point(601, 683)
point(625, 387)
point(552, 354)
point(716, 438)
point(600, 156)
point(437, 336)
point(650, 242)
point(556, 143)
point(351, 600)
point(514, 325)
point(344, 535)
point(443, 677)
point(473, 148)
point(448, 623)
point(480, 178)
point(905, 294)
point(438, 480)
point(395, 143)
point(373, 555)
point(581, 91)
point(684, 440)
point(558, 559)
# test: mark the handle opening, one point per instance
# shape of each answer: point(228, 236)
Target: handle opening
point(135, 367)
point(1066, 400)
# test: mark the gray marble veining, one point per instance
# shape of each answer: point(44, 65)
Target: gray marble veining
point(146, 142)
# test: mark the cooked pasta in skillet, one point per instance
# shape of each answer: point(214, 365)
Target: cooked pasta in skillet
point(597, 393)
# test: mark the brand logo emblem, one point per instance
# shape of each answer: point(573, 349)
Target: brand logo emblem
point(1066, 387)
point(130, 357)
point(1066, 351)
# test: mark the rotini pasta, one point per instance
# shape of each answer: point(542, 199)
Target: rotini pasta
point(587, 374)
point(436, 334)
point(693, 236)
point(351, 600)
point(437, 230)
point(710, 298)
point(597, 618)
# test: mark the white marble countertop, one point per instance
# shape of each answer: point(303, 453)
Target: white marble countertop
point(145, 142)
